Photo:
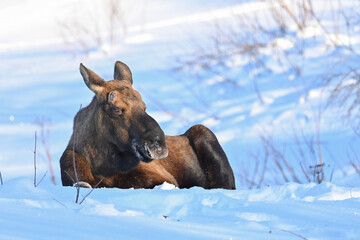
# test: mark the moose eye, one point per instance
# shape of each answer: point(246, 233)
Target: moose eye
point(111, 96)
point(117, 111)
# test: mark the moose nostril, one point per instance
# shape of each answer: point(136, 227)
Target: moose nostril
point(158, 149)
point(148, 151)
point(157, 146)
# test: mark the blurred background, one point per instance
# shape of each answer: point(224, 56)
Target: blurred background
point(277, 81)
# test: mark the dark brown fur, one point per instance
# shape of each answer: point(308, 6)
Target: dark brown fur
point(128, 149)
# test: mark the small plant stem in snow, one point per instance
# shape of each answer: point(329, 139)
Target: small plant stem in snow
point(35, 161)
point(295, 234)
point(60, 203)
point(35, 183)
point(70, 177)
point(90, 191)
point(74, 164)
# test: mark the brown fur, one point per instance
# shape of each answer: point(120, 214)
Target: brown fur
point(126, 148)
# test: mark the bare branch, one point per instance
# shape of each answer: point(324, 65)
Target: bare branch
point(72, 179)
point(81, 36)
point(35, 185)
point(42, 178)
point(60, 203)
point(91, 191)
point(35, 180)
point(74, 164)
point(249, 34)
point(292, 233)
point(354, 159)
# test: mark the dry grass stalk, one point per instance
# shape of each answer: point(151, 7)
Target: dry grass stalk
point(74, 165)
point(35, 165)
point(250, 34)
point(45, 134)
point(83, 35)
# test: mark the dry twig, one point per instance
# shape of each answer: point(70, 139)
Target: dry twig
point(74, 164)
point(35, 154)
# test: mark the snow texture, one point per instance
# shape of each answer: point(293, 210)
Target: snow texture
point(39, 80)
point(311, 211)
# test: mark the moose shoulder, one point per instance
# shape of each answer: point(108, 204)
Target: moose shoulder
point(116, 142)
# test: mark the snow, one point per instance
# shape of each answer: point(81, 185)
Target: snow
point(231, 111)
point(211, 122)
point(311, 211)
point(310, 31)
point(140, 38)
point(38, 79)
point(283, 43)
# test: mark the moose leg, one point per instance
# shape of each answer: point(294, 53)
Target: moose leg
point(211, 157)
point(85, 177)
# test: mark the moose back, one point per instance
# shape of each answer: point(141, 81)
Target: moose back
point(117, 144)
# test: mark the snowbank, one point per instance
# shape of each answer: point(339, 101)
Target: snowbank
point(291, 211)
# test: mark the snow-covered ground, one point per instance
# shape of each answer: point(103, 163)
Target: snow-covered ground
point(292, 211)
point(40, 82)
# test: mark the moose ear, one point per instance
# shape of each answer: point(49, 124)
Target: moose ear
point(94, 82)
point(122, 72)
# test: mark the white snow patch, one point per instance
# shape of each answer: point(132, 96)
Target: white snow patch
point(191, 114)
point(211, 122)
point(314, 93)
point(338, 193)
point(226, 135)
point(277, 94)
point(268, 100)
point(32, 203)
point(311, 30)
point(340, 40)
point(256, 217)
point(17, 129)
point(267, 51)
point(350, 82)
point(254, 72)
point(277, 68)
point(202, 17)
point(283, 43)
point(102, 209)
point(315, 52)
point(140, 38)
point(238, 119)
point(258, 107)
point(237, 61)
point(302, 99)
point(291, 77)
point(165, 186)
point(214, 80)
point(209, 201)
point(231, 111)
point(284, 117)
point(311, 210)
point(223, 103)
point(161, 117)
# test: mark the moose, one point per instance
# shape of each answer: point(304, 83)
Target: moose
point(115, 143)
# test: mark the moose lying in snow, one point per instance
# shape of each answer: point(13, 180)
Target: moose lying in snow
point(116, 142)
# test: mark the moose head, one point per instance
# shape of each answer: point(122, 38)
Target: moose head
point(121, 122)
